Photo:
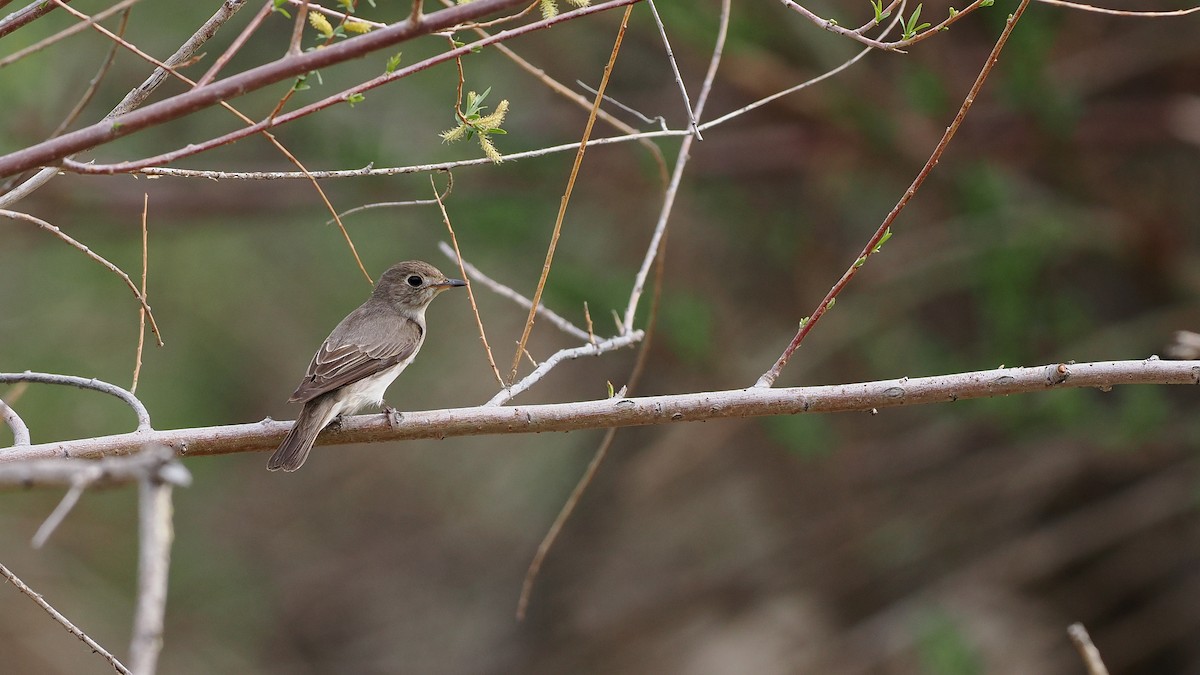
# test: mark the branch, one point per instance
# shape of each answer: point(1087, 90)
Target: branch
point(25, 15)
point(154, 461)
point(506, 292)
point(130, 400)
point(154, 562)
point(622, 412)
point(20, 431)
point(62, 620)
point(251, 80)
point(768, 378)
point(1087, 651)
point(612, 344)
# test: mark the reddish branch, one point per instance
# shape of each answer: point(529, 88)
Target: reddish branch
point(53, 150)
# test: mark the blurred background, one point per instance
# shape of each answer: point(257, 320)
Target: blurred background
point(1061, 224)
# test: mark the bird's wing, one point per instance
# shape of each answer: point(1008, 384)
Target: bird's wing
point(341, 361)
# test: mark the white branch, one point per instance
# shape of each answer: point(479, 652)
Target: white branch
point(505, 395)
point(143, 416)
point(623, 412)
point(154, 561)
point(19, 430)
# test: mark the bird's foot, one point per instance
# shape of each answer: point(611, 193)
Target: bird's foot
point(394, 417)
point(336, 423)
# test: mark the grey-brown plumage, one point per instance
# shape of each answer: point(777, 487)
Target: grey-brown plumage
point(363, 355)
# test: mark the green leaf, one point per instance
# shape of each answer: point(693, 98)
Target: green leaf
point(277, 6)
point(355, 98)
point(393, 63)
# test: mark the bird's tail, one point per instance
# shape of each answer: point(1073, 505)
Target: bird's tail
point(292, 452)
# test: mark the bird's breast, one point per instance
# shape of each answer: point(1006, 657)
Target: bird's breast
point(368, 391)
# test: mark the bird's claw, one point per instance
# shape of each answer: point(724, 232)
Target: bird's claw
point(394, 417)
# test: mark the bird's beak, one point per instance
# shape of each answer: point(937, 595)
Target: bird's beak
point(451, 283)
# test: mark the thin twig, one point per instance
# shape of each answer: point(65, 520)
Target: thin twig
point(62, 620)
point(685, 147)
point(139, 94)
point(470, 293)
point(687, 102)
point(768, 378)
point(66, 33)
point(1087, 651)
point(84, 383)
point(411, 202)
point(49, 151)
point(234, 47)
point(604, 346)
point(658, 120)
point(137, 368)
point(298, 28)
point(339, 98)
point(895, 46)
point(24, 16)
point(17, 215)
point(566, 198)
point(507, 292)
point(1120, 12)
point(312, 6)
point(564, 91)
point(535, 566)
point(94, 84)
point(17, 425)
point(269, 136)
point(58, 514)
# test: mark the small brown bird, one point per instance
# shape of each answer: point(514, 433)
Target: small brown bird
point(363, 355)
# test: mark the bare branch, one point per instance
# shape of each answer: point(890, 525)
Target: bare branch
point(130, 400)
point(1120, 12)
point(687, 102)
point(66, 32)
point(504, 291)
point(62, 620)
point(20, 432)
point(251, 80)
point(768, 378)
point(58, 514)
point(660, 228)
point(558, 357)
point(1087, 651)
point(566, 198)
point(603, 414)
point(339, 98)
point(25, 15)
point(153, 460)
point(155, 532)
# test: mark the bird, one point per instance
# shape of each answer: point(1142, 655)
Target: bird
point(362, 356)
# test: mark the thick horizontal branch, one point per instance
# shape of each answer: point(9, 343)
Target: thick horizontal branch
point(623, 412)
point(199, 98)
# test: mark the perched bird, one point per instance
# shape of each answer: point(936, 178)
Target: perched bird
point(363, 355)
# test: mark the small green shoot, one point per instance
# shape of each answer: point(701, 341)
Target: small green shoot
point(880, 14)
point(912, 26)
point(278, 6)
point(393, 63)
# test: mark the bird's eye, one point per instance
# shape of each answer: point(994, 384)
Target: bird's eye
point(415, 281)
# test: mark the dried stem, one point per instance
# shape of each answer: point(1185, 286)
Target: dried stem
point(504, 291)
point(685, 147)
point(470, 292)
point(17, 215)
point(687, 102)
point(62, 620)
point(1120, 12)
point(768, 378)
point(1087, 651)
point(566, 198)
point(137, 368)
